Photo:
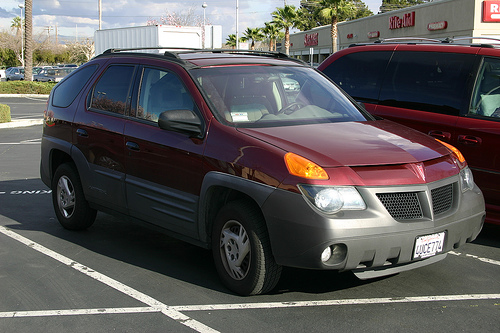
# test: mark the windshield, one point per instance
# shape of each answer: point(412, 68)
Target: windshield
point(262, 96)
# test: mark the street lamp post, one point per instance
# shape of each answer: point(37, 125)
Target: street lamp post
point(237, 23)
point(21, 6)
point(204, 6)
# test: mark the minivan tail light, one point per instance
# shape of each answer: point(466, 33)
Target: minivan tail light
point(304, 168)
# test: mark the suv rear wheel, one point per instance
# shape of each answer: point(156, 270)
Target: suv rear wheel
point(72, 210)
point(242, 250)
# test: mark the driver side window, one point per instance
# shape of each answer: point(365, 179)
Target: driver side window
point(486, 100)
point(161, 91)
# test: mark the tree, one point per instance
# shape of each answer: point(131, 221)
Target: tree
point(254, 35)
point(188, 18)
point(231, 41)
point(17, 43)
point(310, 17)
point(389, 5)
point(28, 37)
point(272, 32)
point(332, 10)
point(286, 18)
point(80, 52)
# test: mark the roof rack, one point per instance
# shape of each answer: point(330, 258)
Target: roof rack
point(447, 40)
point(170, 51)
point(399, 39)
point(175, 52)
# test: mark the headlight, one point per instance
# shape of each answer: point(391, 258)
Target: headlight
point(331, 199)
point(466, 179)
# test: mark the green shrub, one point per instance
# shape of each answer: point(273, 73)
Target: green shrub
point(25, 87)
point(4, 113)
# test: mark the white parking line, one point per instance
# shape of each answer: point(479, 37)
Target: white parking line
point(25, 142)
point(174, 312)
point(165, 309)
point(486, 260)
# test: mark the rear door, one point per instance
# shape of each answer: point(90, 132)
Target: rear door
point(98, 136)
point(478, 134)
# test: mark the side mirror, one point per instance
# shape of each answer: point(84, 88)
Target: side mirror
point(183, 121)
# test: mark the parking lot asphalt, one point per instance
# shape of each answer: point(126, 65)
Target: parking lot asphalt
point(118, 276)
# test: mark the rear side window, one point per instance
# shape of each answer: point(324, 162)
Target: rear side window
point(427, 81)
point(112, 90)
point(360, 74)
point(66, 91)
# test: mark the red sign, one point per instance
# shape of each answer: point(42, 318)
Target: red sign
point(311, 39)
point(491, 11)
point(396, 22)
point(373, 34)
point(350, 35)
point(437, 25)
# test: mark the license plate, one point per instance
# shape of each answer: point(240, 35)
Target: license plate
point(428, 245)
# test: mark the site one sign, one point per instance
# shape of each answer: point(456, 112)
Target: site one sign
point(491, 11)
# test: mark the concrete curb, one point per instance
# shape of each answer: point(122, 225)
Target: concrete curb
point(21, 123)
point(24, 95)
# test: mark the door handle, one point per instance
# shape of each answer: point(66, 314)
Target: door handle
point(440, 135)
point(132, 146)
point(83, 133)
point(469, 140)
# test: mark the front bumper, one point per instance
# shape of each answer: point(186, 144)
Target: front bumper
point(374, 241)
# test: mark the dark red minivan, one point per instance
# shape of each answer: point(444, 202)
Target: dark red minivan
point(257, 157)
point(449, 91)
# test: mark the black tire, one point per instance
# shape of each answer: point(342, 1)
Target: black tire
point(242, 250)
point(71, 207)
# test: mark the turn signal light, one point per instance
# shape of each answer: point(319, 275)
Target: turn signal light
point(302, 167)
point(454, 150)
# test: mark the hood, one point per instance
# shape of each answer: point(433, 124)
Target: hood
point(380, 142)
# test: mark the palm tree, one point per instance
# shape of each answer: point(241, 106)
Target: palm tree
point(16, 24)
point(332, 10)
point(231, 41)
point(286, 18)
point(272, 32)
point(28, 37)
point(254, 34)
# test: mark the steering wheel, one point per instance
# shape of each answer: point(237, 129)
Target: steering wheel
point(291, 108)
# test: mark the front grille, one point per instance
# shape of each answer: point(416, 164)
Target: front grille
point(402, 206)
point(442, 198)
point(407, 205)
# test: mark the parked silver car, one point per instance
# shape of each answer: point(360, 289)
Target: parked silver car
point(52, 74)
point(14, 73)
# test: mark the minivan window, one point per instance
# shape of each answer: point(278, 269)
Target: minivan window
point(112, 90)
point(486, 96)
point(360, 73)
point(66, 91)
point(161, 91)
point(435, 83)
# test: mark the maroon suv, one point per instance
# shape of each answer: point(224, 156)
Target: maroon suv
point(449, 91)
point(257, 157)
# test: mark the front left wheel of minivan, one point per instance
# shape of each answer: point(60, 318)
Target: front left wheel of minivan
point(71, 207)
point(242, 250)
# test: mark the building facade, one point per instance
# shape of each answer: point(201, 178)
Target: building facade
point(434, 20)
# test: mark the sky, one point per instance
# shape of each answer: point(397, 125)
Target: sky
point(79, 18)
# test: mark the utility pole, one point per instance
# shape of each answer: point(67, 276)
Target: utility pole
point(100, 13)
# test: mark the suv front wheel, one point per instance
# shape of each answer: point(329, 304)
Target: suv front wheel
point(242, 250)
point(70, 206)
